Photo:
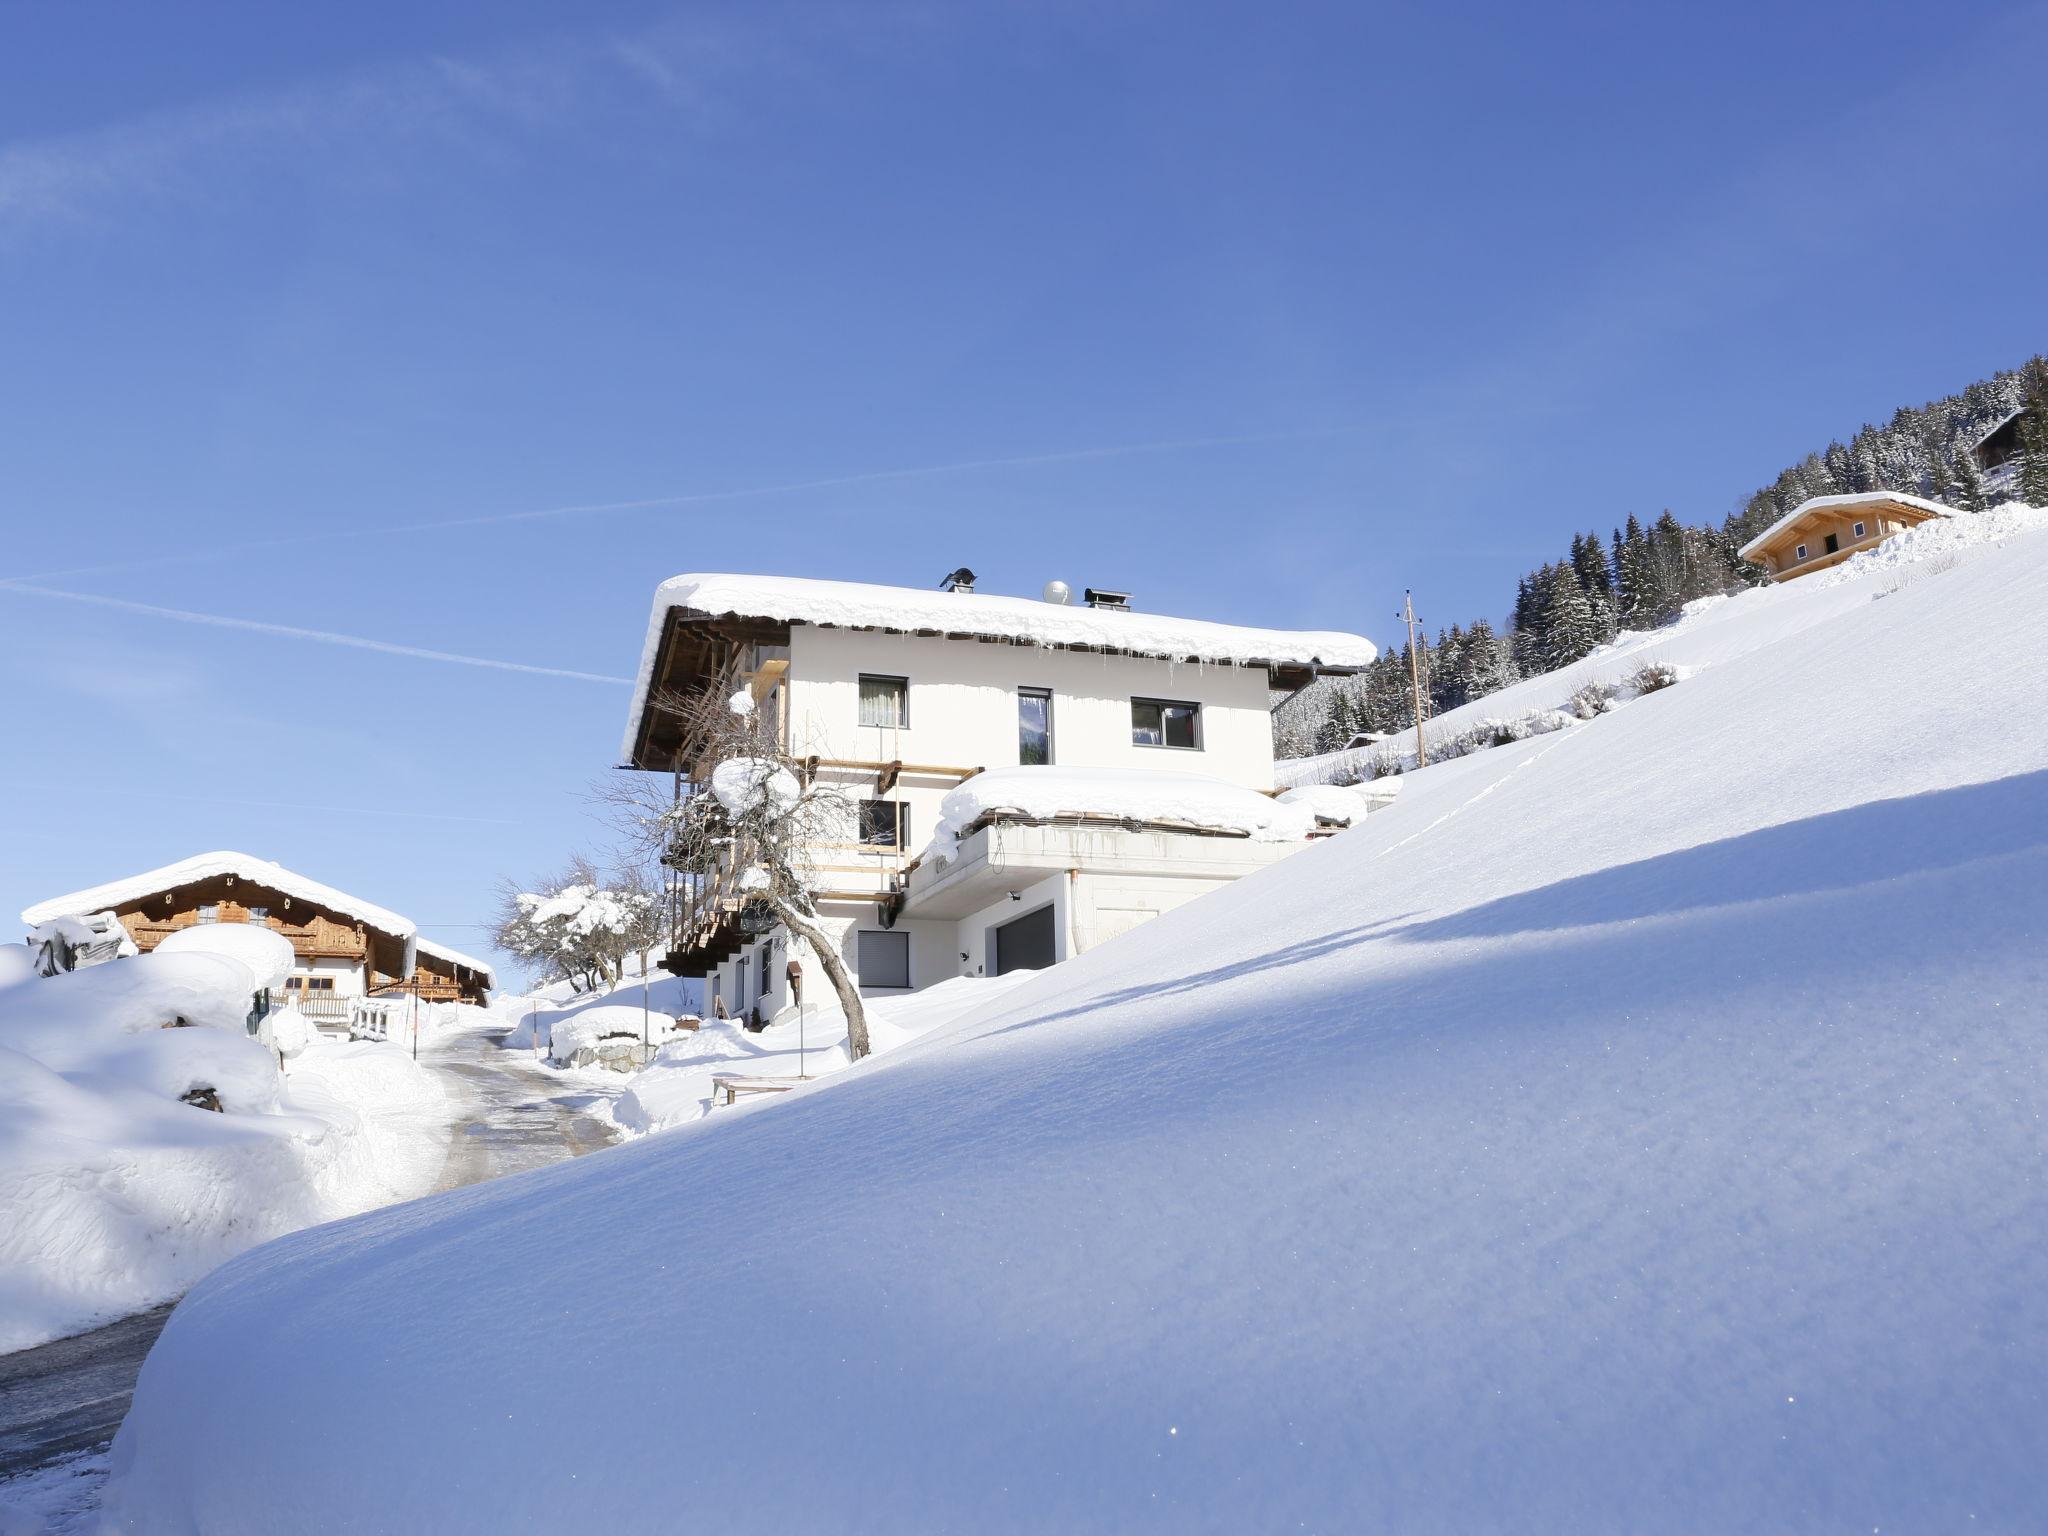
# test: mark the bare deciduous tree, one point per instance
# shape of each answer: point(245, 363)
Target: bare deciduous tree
point(743, 826)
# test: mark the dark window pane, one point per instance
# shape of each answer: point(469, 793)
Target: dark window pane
point(1157, 723)
point(1034, 728)
point(881, 823)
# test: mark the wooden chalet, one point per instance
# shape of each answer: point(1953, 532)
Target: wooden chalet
point(342, 946)
point(1827, 530)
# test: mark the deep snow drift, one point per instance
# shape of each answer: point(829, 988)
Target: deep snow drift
point(1634, 1128)
point(1197, 801)
point(114, 1195)
point(675, 1088)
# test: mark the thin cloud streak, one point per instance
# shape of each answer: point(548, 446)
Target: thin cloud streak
point(689, 498)
point(319, 636)
point(321, 806)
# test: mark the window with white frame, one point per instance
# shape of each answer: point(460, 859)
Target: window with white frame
point(883, 958)
point(1166, 723)
point(210, 912)
point(885, 701)
point(1799, 553)
point(1859, 530)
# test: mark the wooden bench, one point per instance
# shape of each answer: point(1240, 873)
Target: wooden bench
point(732, 1085)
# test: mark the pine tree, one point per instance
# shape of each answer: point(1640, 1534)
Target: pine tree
point(1941, 479)
point(1968, 492)
point(1572, 629)
point(1632, 576)
point(2033, 476)
point(1491, 665)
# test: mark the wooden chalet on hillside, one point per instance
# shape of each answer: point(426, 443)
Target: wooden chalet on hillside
point(1827, 530)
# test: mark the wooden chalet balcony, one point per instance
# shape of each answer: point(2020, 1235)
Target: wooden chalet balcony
point(319, 939)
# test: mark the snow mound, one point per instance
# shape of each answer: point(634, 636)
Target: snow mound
point(266, 953)
point(1632, 1127)
point(1192, 802)
point(1330, 804)
point(675, 1088)
point(114, 1194)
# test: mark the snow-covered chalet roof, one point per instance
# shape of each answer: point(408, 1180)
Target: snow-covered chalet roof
point(204, 866)
point(1837, 503)
point(1998, 426)
point(1023, 620)
point(457, 957)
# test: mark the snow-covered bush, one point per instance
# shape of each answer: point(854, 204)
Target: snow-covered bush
point(580, 926)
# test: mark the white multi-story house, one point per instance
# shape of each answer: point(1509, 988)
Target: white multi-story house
point(1024, 778)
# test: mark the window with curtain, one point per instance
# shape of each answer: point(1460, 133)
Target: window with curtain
point(884, 701)
point(1164, 723)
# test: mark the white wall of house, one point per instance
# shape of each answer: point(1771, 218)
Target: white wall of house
point(347, 975)
point(963, 710)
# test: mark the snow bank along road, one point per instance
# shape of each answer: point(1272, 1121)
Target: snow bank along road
point(1638, 1128)
point(511, 1117)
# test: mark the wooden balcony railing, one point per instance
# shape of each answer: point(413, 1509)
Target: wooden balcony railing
point(319, 938)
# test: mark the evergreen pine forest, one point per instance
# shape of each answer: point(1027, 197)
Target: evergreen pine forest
point(1640, 575)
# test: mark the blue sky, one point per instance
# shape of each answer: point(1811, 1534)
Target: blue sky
point(1264, 313)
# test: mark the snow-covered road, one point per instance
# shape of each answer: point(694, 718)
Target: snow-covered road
point(510, 1115)
point(518, 1115)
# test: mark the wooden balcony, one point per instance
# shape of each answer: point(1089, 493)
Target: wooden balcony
point(318, 939)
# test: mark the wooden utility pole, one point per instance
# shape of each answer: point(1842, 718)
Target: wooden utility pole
point(1414, 676)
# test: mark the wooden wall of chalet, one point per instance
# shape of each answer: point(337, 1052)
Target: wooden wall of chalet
point(316, 932)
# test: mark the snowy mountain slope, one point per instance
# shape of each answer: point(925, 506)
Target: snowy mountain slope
point(1713, 630)
point(1633, 1128)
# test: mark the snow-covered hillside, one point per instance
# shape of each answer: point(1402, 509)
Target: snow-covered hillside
point(1634, 1128)
point(1711, 631)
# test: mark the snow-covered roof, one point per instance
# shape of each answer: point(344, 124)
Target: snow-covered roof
point(1195, 802)
point(205, 866)
point(456, 957)
point(1026, 621)
point(1998, 426)
point(1850, 499)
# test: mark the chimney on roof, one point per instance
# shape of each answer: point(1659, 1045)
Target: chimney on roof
point(1102, 597)
point(961, 580)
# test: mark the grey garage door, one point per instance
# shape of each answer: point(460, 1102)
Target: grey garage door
point(1025, 944)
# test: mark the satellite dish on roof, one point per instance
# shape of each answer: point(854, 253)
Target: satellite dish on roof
point(1058, 593)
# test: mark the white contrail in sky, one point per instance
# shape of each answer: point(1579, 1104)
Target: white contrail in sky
point(322, 636)
point(323, 806)
point(686, 499)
